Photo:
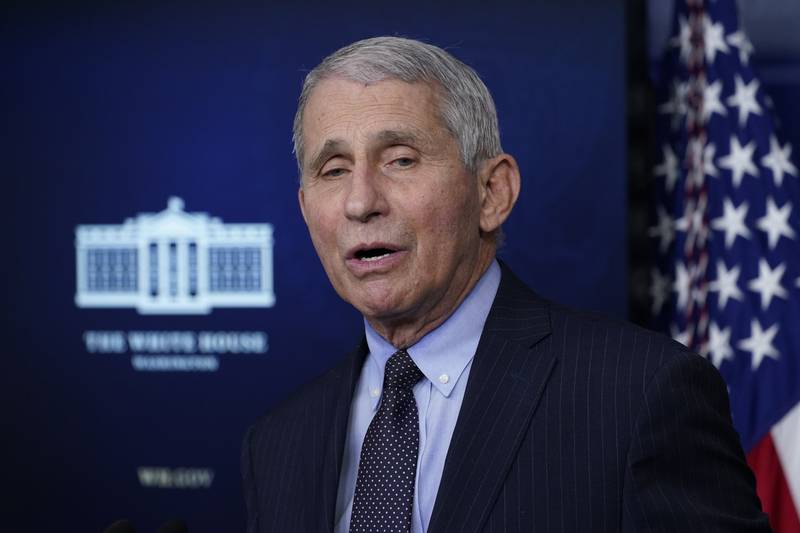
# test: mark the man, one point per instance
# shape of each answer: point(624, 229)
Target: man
point(472, 404)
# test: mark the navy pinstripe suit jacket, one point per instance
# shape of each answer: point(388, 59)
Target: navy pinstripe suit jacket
point(570, 422)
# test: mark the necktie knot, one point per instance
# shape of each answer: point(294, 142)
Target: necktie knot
point(401, 372)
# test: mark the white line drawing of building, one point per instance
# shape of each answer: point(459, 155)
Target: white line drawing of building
point(174, 262)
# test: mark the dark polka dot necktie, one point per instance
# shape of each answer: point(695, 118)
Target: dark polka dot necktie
point(388, 464)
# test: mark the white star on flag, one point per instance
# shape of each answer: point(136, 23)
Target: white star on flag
point(732, 222)
point(684, 38)
point(676, 105)
point(744, 98)
point(778, 160)
point(708, 160)
point(681, 285)
point(776, 223)
point(699, 295)
point(711, 101)
point(768, 283)
point(740, 41)
point(668, 168)
point(663, 229)
point(719, 344)
point(759, 344)
point(727, 284)
point(739, 160)
point(659, 290)
point(714, 38)
point(692, 217)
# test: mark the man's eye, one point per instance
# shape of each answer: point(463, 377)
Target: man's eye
point(334, 172)
point(403, 162)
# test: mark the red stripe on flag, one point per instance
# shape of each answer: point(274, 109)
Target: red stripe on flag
point(772, 488)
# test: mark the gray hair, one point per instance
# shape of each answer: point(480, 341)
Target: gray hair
point(465, 105)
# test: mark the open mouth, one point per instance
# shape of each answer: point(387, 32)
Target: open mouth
point(376, 257)
point(373, 254)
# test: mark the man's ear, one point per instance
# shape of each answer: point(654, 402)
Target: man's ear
point(499, 183)
point(302, 200)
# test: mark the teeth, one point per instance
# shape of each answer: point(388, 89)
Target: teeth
point(376, 257)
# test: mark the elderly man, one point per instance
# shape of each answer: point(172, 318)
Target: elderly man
point(471, 404)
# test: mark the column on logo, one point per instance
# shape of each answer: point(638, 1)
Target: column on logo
point(182, 270)
point(163, 269)
point(202, 268)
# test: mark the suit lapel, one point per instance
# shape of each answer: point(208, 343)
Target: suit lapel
point(338, 396)
point(508, 375)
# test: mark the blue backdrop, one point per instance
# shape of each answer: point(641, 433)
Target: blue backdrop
point(113, 109)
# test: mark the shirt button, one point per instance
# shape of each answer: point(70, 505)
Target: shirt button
point(444, 378)
point(374, 392)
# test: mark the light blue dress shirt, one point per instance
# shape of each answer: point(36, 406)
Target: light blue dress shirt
point(444, 356)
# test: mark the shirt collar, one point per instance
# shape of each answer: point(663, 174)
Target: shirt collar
point(444, 353)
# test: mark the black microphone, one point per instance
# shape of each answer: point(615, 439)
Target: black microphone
point(120, 526)
point(173, 526)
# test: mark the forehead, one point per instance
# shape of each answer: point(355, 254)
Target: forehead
point(351, 110)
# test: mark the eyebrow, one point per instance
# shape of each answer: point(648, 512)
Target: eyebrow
point(383, 138)
point(331, 147)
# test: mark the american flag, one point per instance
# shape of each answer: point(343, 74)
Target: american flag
point(726, 231)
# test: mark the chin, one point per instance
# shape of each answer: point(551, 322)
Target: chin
point(378, 310)
point(381, 307)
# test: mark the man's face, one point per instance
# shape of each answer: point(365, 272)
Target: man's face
point(391, 209)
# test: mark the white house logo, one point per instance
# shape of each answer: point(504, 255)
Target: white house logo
point(174, 262)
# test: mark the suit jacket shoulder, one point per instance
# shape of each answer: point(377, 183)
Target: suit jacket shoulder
point(573, 421)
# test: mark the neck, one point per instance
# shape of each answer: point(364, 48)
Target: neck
point(407, 331)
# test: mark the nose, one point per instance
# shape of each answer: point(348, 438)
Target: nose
point(364, 200)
